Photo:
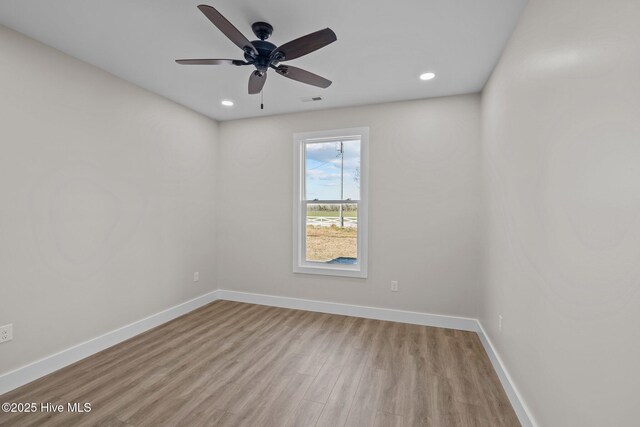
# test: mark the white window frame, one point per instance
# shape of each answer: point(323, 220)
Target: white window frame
point(300, 264)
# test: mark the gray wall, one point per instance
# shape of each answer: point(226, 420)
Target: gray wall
point(423, 202)
point(107, 201)
point(561, 173)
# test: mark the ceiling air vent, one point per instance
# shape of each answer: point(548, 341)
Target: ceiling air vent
point(312, 99)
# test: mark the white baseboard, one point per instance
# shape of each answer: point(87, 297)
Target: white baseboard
point(519, 406)
point(21, 376)
point(40, 368)
point(416, 318)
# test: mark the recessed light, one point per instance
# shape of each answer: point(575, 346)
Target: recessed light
point(427, 76)
point(227, 103)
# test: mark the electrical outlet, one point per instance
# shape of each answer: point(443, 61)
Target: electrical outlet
point(196, 276)
point(500, 322)
point(394, 286)
point(6, 333)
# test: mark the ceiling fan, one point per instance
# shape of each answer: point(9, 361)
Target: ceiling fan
point(264, 55)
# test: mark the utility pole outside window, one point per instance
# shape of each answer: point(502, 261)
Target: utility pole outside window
point(341, 154)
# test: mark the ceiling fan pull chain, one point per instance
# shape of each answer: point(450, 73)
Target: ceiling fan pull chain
point(262, 99)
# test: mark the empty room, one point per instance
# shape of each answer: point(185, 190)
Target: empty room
point(331, 213)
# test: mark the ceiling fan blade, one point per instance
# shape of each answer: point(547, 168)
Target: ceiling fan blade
point(257, 81)
point(211, 62)
point(227, 28)
point(305, 44)
point(303, 76)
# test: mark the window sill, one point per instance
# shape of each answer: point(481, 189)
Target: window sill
point(330, 270)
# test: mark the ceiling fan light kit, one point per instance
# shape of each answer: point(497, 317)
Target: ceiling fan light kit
point(264, 55)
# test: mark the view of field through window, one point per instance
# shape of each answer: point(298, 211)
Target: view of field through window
point(331, 238)
point(332, 174)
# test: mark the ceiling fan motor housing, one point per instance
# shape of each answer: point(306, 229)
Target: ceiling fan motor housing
point(263, 60)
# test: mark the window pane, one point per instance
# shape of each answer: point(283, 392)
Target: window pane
point(332, 170)
point(332, 233)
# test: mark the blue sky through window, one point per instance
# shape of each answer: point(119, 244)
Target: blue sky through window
point(322, 170)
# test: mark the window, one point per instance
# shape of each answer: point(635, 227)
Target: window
point(330, 202)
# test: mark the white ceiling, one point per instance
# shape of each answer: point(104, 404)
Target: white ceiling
point(382, 47)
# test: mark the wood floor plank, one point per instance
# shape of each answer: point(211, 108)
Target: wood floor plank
point(367, 399)
point(323, 383)
point(388, 420)
point(336, 410)
point(277, 406)
point(326, 345)
point(328, 374)
point(236, 364)
point(306, 414)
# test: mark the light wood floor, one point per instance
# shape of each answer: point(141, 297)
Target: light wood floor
point(231, 364)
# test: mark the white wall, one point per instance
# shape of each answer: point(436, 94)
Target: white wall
point(561, 160)
point(423, 199)
point(106, 201)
